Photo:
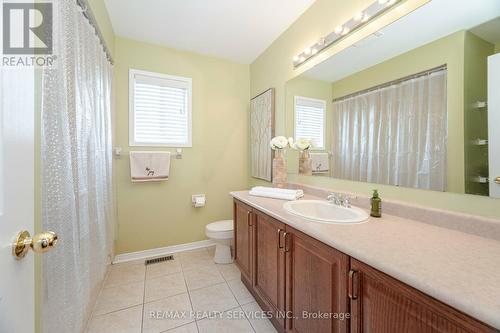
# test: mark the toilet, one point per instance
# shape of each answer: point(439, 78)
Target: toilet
point(222, 233)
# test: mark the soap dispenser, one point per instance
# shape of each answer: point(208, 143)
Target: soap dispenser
point(376, 203)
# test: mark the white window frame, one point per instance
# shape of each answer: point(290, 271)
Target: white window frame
point(187, 80)
point(295, 119)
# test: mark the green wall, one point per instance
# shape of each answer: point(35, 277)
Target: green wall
point(152, 215)
point(273, 69)
point(476, 53)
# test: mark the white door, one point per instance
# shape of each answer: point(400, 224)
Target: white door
point(17, 277)
point(493, 122)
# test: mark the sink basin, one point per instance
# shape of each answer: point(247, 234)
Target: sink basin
point(325, 212)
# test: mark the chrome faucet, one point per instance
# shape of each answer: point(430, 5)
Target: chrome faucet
point(334, 198)
point(346, 202)
point(340, 199)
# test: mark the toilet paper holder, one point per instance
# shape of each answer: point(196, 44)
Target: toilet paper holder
point(198, 200)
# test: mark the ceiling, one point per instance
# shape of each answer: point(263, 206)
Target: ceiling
point(436, 19)
point(237, 30)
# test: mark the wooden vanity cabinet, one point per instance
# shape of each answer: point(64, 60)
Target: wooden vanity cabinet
point(380, 303)
point(269, 265)
point(290, 273)
point(316, 284)
point(243, 235)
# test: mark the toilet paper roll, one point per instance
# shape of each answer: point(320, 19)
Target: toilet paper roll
point(199, 202)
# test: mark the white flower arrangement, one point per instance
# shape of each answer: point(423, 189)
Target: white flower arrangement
point(279, 142)
point(300, 144)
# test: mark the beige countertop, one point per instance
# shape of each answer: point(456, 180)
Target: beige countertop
point(457, 268)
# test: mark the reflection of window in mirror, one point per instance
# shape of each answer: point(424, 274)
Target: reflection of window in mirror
point(310, 120)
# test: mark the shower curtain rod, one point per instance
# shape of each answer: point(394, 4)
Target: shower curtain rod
point(87, 12)
point(393, 82)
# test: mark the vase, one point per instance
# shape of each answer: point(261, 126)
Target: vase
point(305, 163)
point(279, 168)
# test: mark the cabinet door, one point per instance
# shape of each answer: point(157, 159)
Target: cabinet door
point(243, 239)
point(380, 303)
point(317, 285)
point(269, 265)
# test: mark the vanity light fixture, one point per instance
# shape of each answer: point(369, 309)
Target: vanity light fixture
point(342, 31)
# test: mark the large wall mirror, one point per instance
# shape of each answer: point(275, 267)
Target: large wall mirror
point(409, 105)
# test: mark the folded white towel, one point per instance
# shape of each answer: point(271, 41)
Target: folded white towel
point(320, 162)
point(276, 193)
point(277, 190)
point(149, 166)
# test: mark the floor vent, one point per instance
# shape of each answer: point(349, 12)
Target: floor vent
point(159, 259)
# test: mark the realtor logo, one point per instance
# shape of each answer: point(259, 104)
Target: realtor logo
point(27, 28)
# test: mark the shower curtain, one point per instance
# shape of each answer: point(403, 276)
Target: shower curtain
point(76, 170)
point(394, 135)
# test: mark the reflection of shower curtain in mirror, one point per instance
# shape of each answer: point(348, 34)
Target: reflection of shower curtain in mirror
point(76, 164)
point(393, 135)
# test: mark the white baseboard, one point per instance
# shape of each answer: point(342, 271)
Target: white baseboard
point(161, 251)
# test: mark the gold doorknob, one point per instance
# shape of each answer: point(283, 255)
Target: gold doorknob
point(40, 243)
point(497, 180)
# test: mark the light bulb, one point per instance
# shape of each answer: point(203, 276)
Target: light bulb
point(366, 17)
point(358, 17)
point(345, 31)
point(307, 51)
point(296, 58)
point(314, 51)
point(339, 29)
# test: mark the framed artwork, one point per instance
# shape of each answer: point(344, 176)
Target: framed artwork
point(261, 133)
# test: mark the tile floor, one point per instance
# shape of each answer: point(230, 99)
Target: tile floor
point(190, 294)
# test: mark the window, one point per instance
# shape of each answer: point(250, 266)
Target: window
point(310, 120)
point(160, 110)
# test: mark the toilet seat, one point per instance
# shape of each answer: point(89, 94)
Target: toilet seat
point(220, 229)
point(221, 232)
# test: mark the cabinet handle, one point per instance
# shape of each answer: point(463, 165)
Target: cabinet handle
point(350, 285)
point(285, 236)
point(280, 246)
point(249, 220)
